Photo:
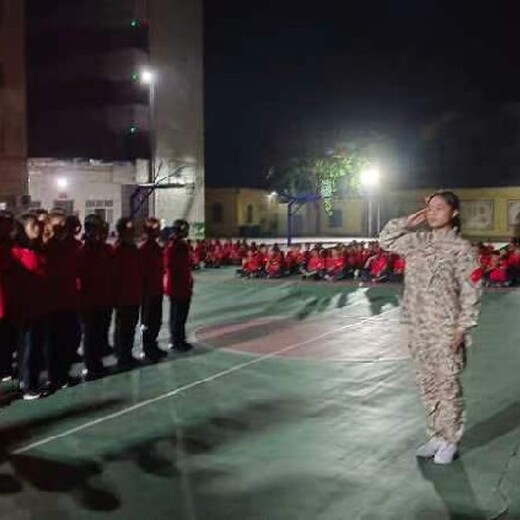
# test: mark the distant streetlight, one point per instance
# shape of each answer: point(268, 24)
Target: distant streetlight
point(370, 180)
point(62, 183)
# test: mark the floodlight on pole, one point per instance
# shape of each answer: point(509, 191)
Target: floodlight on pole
point(370, 180)
point(147, 77)
point(370, 177)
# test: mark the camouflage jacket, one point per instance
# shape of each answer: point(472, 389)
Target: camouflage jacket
point(440, 291)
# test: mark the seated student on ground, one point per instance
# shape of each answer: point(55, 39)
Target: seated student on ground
point(513, 263)
point(349, 258)
point(294, 259)
point(227, 249)
point(497, 275)
point(397, 270)
point(275, 263)
point(252, 266)
point(376, 268)
point(315, 269)
point(335, 266)
point(200, 249)
point(194, 256)
point(214, 255)
point(236, 254)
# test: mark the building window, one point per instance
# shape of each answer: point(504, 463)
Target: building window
point(249, 214)
point(217, 213)
point(336, 219)
point(103, 208)
point(66, 205)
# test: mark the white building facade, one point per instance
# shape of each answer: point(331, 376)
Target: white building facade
point(82, 187)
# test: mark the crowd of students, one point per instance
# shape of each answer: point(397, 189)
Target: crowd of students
point(58, 293)
point(364, 261)
point(499, 268)
point(62, 284)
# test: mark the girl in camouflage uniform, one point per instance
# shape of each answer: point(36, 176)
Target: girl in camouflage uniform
point(440, 304)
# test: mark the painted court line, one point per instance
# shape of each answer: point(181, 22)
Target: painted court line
point(189, 386)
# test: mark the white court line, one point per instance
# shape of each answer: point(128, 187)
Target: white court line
point(176, 391)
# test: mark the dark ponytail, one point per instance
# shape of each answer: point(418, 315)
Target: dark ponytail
point(453, 202)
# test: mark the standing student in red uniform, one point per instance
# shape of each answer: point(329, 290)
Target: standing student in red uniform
point(96, 278)
point(128, 292)
point(29, 302)
point(178, 284)
point(62, 330)
point(153, 274)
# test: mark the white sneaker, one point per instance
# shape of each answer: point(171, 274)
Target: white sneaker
point(446, 453)
point(429, 448)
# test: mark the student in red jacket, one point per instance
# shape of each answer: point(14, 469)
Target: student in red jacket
point(513, 262)
point(178, 284)
point(128, 292)
point(497, 274)
point(335, 266)
point(315, 269)
point(29, 302)
point(153, 274)
point(275, 263)
point(96, 277)
point(8, 331)
point(63, 328)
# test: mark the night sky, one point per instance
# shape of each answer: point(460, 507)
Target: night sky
point(281, 75)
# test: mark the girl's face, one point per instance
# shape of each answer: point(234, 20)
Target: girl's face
point(33, 229)
point(439, 214)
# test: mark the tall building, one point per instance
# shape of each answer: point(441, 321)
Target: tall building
point(87, 100)
point(13, 140)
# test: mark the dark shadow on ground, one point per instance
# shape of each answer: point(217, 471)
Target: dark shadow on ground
point(378, 299)
point(453, 487)
point(48, 475)
point(162, 456)
point(495, 426)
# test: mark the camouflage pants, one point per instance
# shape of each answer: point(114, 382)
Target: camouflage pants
point(438, 369)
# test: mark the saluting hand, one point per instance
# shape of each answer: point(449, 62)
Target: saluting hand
point(416, 219)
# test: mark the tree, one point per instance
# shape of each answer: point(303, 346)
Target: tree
point(324, 174)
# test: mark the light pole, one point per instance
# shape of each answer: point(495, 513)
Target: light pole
point(370, 179)
point(148, 78)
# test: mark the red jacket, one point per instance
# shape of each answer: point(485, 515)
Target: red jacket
point(62, 275)
point(316, 263)
point(378, 266)
point(96, 275)
point(178, 279)
point(128, 275)
point(498, 275)
point(335, 264)
point(28, 284)
point(153, 268)
point(399, 265)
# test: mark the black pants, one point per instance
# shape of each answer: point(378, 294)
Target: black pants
point(31, 349)
point(127, 317)
point(179, 310)
point(151, 320)
point(62, 339)
point(95, 330)
point(8, 342)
